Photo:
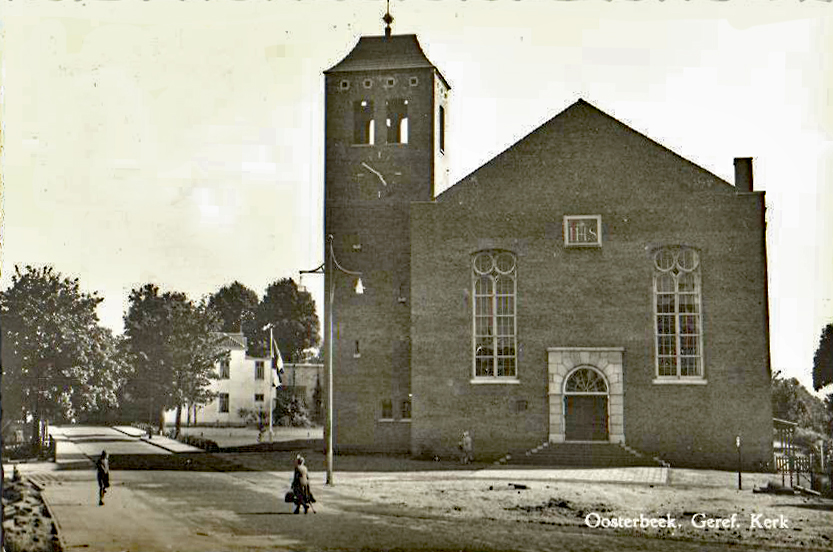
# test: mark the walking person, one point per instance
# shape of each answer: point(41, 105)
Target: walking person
point(466, 449)
point(300, 487)
point(102, 470)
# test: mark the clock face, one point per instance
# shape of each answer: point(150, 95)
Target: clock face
point(375, 178)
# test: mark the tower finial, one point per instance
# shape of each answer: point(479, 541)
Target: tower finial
point(388, 19)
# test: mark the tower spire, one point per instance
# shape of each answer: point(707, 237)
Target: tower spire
point(388, 19)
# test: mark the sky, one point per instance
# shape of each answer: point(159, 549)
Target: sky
point(181, 142)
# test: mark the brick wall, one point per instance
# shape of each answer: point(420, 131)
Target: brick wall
point(369, 217)
point(584, 162)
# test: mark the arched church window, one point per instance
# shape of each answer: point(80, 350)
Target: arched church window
point(677, 311)
point(493, 311)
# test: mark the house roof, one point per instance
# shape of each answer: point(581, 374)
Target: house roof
point(379, 53)
point(232, 340)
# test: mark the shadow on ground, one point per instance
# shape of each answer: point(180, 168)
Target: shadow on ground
point(295, 445)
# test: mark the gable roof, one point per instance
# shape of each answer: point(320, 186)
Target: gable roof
point(580, 113)
point(376, 53)
point(232, 340)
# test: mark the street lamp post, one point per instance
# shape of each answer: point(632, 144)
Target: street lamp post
point(328, 268)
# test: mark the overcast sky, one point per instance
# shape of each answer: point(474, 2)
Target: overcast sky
point(180, 142)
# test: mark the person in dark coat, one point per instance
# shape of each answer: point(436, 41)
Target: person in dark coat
point(300, 486)
point(102, 469)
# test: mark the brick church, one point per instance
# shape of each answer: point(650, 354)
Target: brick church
point(587, 285)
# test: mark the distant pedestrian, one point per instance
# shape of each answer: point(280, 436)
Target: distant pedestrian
point(102, 469)
point(300, 487)
point(466, 449)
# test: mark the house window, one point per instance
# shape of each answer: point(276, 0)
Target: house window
point(258, 397)
point(679, 333)
point(225, 369)
point(259, 370)
point(363, 123)
point(406, 409)
point(223, 397)
point(387, 409)
point(397, 121)
point(442, 129)
point(493, 313)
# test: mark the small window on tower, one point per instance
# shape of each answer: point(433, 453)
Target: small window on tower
point(363, 123)
point(344, 85)
point(387, 409)
point(442, 129)
point(390, 82)
point(414, 81)
point(397, 121)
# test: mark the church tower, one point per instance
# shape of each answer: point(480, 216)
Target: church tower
point(384, 149)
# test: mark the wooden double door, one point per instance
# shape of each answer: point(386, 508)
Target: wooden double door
point(585, 418)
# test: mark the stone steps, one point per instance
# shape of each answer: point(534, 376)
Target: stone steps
point(580, 455)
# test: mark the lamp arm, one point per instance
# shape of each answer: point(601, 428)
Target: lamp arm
point(318, 270)
point(335, 261)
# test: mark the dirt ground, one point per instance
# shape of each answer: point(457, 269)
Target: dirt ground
point(403, 486)
point(27, 526)
point(691, 499)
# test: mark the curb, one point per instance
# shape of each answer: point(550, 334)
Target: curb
point(58, 530)
point(146, 440)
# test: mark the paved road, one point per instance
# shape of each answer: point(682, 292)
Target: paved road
point(196, 511)
point(90, 441)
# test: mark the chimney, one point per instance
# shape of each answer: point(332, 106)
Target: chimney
point(743, 174)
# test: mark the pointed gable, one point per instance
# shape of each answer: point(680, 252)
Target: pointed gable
point(584, 147)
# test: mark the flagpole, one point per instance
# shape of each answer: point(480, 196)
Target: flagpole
point(271, 379)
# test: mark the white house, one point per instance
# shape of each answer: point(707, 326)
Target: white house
point(243, 383)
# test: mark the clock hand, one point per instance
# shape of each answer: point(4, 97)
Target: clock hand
point(374, 171)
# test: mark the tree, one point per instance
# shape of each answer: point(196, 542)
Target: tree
point(290, 410)
point(792, 401)
point(292, 314)
point(823, 359)
point(57, 360)
point(175, 345)
point(236, 306)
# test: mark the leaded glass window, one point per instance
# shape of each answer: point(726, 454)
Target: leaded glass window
point(679, 333)
point(494, 290)
point(585, 380)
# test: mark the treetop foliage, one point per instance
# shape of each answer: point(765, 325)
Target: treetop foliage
point(175, 343)
point(57, 360)
point(823, 359)
point(295, 325)
point(793, 402)
point(236, 305)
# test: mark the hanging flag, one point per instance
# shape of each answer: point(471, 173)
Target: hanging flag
point(277, 364)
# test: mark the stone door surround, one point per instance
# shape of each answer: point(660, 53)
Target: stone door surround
point(607, 360)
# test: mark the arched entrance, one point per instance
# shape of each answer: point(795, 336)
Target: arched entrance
point(585, 405)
